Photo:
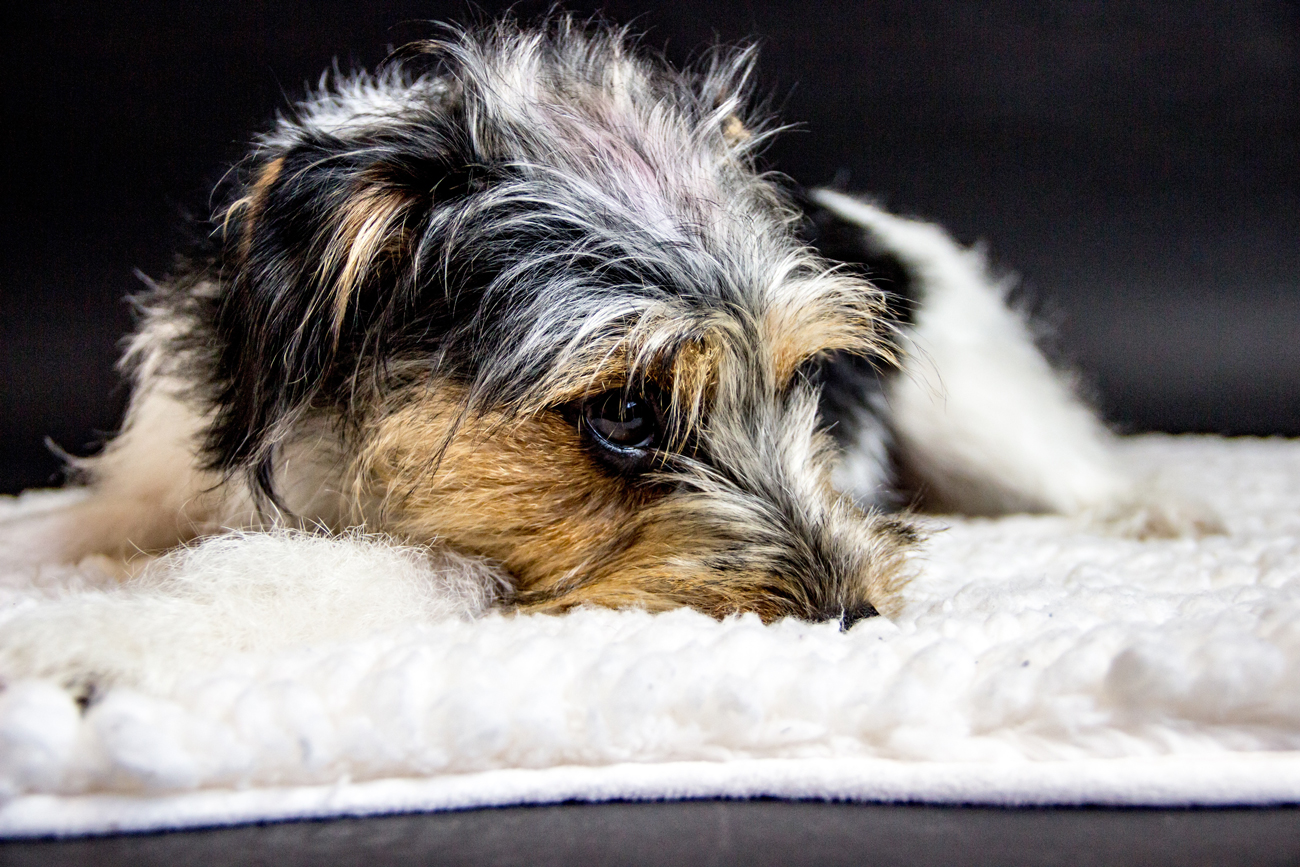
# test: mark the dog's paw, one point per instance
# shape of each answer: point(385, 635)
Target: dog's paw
point(106, 571)
point(1157, 514)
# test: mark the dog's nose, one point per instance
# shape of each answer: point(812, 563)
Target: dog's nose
point(850, 616)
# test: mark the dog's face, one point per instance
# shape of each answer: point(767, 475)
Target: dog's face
point(558, 320)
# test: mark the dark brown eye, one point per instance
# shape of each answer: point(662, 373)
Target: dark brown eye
point(622, 421)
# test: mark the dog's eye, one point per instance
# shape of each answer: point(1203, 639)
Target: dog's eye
point(622, 421)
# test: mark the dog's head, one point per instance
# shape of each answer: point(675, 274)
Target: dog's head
point(558, 319)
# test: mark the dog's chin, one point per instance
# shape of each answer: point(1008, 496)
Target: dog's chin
point(719, 594)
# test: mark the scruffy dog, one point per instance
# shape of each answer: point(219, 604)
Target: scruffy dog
point(524, 294)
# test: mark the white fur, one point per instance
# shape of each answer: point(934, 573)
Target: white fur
point(980, 416)
point(237, 593)
point(152, 495)
point(351, 105)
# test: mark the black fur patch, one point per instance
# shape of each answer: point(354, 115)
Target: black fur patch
point(841, 241)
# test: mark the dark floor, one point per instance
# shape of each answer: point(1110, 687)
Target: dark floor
point(718, 833)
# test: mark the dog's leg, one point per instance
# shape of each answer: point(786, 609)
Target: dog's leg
point(982, 424)
point(144, 493)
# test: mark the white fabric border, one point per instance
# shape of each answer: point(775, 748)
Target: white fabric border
point(1254, 779)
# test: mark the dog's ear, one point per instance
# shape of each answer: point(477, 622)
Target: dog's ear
point(317, 247)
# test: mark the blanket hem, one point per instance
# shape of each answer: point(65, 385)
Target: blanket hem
point(1255, 779)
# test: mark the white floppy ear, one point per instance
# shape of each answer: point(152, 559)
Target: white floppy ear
point(983, 424)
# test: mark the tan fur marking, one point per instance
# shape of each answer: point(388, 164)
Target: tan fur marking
point(691, 381)
point(602, 367)
point(523, 492)
point(796, 334)
point(253, 201)
point(365, 230)
point(734, 131)
point(527, 493)
point(687, 378)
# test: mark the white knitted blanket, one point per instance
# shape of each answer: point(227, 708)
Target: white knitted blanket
point(1037, 660)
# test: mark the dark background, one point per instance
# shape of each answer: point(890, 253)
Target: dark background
point(1137, 164)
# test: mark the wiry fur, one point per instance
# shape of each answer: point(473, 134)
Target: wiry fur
point(423, 277)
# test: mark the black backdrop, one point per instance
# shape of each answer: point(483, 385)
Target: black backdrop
point(1136, 164)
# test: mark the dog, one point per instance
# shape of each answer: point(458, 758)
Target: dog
point(524, 294)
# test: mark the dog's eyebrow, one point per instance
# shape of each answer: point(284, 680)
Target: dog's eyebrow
point(688, 379)
point(830, 312)
point(685, 374)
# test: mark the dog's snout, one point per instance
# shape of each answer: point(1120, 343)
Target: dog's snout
point(850, 616)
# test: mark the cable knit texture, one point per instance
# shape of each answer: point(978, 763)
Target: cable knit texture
point(1036, 659)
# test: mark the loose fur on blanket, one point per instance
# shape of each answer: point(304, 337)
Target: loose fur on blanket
point(285, 659)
